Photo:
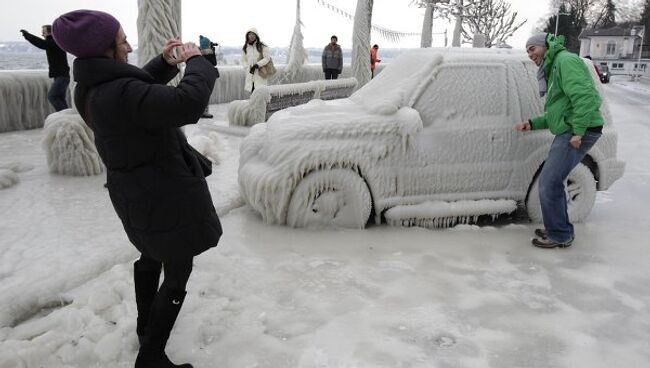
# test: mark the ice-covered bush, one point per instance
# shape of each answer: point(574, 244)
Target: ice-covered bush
point(69, 145)
point(210, 145)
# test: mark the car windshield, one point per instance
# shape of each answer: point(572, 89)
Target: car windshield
point(604, 68)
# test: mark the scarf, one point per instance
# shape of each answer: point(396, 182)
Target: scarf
point(541, 79)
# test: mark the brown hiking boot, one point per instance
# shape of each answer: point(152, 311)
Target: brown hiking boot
point(548, 243)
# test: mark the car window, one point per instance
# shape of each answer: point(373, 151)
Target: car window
point(464, 91)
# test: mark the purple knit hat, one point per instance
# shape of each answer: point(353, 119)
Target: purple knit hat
point(85, 33)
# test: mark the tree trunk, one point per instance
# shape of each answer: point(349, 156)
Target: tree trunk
point(158, 20)
point(427, 26)
point(361, 42)
point(459, 25)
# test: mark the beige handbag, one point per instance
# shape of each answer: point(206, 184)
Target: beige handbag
point(267, 70)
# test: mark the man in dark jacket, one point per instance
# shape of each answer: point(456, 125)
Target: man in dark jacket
point(572, 114)
point(156, 181)
point(58, 66)
point(332, 59)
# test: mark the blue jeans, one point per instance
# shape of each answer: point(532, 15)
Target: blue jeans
point(57, 93)
point(562, 158)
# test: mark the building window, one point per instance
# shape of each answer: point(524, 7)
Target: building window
point(643, 67)
point(617, 65)
point(611, 47)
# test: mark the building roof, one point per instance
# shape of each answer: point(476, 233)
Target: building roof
point(613, 31)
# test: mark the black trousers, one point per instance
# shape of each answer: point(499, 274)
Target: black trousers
point(331, 74)
point(177, 272)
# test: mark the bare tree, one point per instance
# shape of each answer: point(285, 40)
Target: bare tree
point(604, 15)
point(491, 18)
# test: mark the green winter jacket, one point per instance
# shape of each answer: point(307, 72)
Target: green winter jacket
point(572, 100)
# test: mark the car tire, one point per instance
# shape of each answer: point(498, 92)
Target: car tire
point(581, 196)
point(330, 198)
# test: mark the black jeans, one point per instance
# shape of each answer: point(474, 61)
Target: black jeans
point(57, 92)
point(331, 74)
point(177, 271)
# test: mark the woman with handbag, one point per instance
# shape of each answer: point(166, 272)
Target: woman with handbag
point(255, 57)
point(156, 181)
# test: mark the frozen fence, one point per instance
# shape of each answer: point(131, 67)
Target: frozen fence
point(266, 100)
point(24, 104)
point(23, 99)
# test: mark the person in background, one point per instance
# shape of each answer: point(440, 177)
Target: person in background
point(255, 54)
point(156, 180)
point(572, 114)
point(374, 59)
point(332, 59)
point(207, 50)
point(58, 66)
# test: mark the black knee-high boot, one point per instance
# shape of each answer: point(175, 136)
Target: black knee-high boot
point(164, 311)
point(146, 277)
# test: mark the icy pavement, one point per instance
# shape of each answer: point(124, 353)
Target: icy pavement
point(271, 296)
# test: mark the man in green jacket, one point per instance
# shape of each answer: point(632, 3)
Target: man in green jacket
point(572, 114)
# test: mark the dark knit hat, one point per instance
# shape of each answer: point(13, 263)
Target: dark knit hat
point(85, 33)
point(538, 39)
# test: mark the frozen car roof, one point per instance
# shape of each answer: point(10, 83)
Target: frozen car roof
point(397, 85)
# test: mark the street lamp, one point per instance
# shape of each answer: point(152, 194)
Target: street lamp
point(557, 18)
point(639, 31)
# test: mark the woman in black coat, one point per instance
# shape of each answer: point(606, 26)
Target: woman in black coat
point(155, 180)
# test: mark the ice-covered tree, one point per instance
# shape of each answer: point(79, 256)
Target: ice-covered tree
point(297, 54)
point(158, 20)
point(432, 7)
point(361, 42)
point(490, 18)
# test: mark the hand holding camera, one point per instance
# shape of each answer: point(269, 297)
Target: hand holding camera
point(176, 52)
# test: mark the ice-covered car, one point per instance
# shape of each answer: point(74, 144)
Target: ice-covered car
point(429, 142)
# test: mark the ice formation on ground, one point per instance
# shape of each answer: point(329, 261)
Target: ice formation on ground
point(17, 166)
point(69, 145)
point(8, 173)
point(256, 109)
point(8, 178)
point(436, 125)
point(209, 144)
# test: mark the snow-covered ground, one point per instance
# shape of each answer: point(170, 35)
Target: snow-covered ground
point(272, 296)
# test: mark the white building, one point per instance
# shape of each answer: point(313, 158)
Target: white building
point(618, 48)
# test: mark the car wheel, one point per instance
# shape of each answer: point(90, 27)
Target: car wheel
point(337, 197)
point(580, 191)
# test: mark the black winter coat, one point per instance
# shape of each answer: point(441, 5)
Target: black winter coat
point(57, 59)
point(154, 177)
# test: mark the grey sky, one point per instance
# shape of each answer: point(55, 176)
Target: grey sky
point(226, 21)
